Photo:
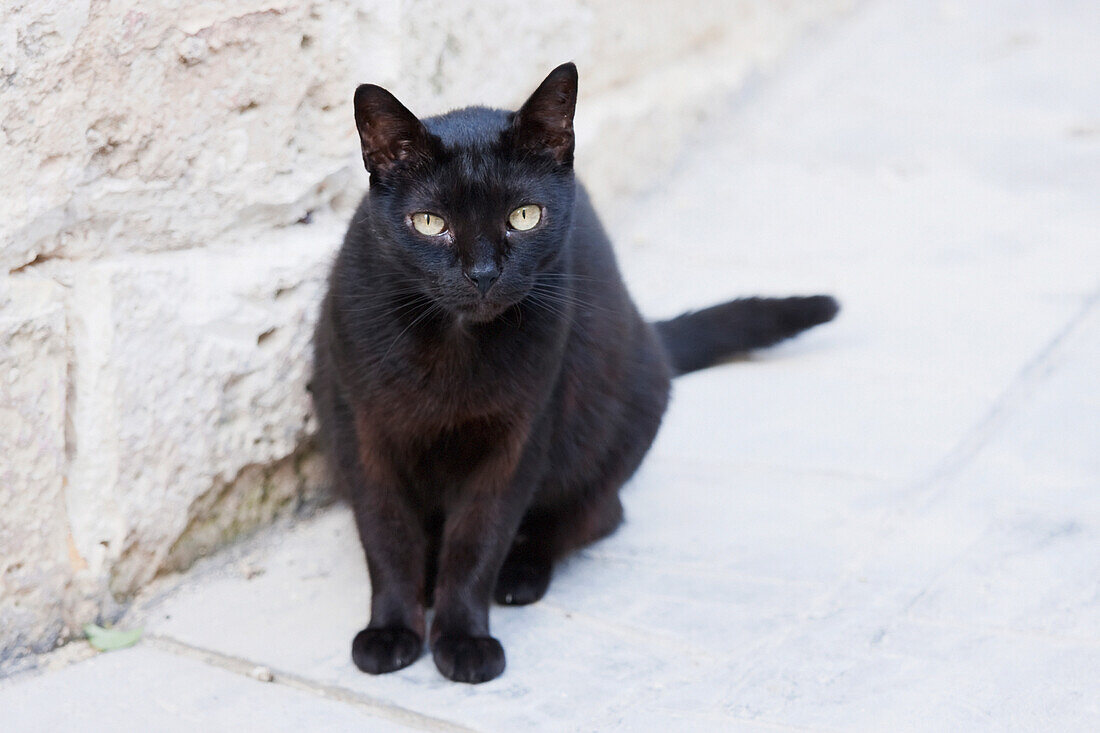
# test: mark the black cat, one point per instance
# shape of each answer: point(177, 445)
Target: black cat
point(484, 382)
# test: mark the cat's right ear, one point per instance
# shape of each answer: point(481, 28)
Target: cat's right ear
point(390, 134)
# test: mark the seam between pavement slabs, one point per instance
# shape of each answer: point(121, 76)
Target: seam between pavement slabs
point(1025, 382)
point(926, 488)
point(1006, 632)
point(374, 706)
point(1023, 385)
point(923, 490)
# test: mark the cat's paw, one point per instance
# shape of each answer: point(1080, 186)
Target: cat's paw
point(377, 651)
point(522, 581)
point(470, 659)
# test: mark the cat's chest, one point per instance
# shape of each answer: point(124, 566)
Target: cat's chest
point(439, 388)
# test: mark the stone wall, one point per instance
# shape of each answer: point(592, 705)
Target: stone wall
point(176, 177)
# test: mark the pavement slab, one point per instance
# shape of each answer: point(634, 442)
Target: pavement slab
point(146, 689)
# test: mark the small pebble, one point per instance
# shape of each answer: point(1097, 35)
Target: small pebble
point(250, 571)
point(263, 674)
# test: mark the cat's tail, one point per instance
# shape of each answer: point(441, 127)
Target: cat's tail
point(699, 339)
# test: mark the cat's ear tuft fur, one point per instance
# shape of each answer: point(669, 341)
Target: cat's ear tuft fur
point(390, 134)
point(544, 123)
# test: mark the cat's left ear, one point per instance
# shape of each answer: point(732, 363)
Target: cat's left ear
point(544, 123)
point(390, 134)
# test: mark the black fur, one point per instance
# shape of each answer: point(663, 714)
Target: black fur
point(481, 436)
point(699, 339)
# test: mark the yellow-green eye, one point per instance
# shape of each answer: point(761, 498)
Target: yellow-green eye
point(525, 217)
point(427, 223)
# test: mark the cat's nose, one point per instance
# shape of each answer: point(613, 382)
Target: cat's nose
point(483, 276)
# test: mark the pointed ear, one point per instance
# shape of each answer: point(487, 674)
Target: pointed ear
point(390, 134)
point(544, 123)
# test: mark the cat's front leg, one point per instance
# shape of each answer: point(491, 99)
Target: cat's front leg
point(480, 527)
point(396, 547)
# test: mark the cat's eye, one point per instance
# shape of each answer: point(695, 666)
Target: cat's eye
point(428, 224)
point(525, 217)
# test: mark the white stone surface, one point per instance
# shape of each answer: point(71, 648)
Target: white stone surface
point(176, 124)
point(148, 690)
point(890, 524)
point(35, 571)
point(176, 398)
point(158, 158)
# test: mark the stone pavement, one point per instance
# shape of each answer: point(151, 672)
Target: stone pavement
point(892, 523)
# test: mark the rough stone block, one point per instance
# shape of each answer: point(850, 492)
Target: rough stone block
point(191, 418)
point(35, 568)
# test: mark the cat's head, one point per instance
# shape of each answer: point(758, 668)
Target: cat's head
point(473, 204)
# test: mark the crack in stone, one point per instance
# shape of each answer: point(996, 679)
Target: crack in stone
point(244, 667)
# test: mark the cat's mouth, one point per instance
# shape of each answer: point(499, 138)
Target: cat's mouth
point(479, 311)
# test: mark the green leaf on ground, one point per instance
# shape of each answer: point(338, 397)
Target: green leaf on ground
point(107, 640)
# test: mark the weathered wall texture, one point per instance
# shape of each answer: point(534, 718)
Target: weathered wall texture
point(176, 176)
